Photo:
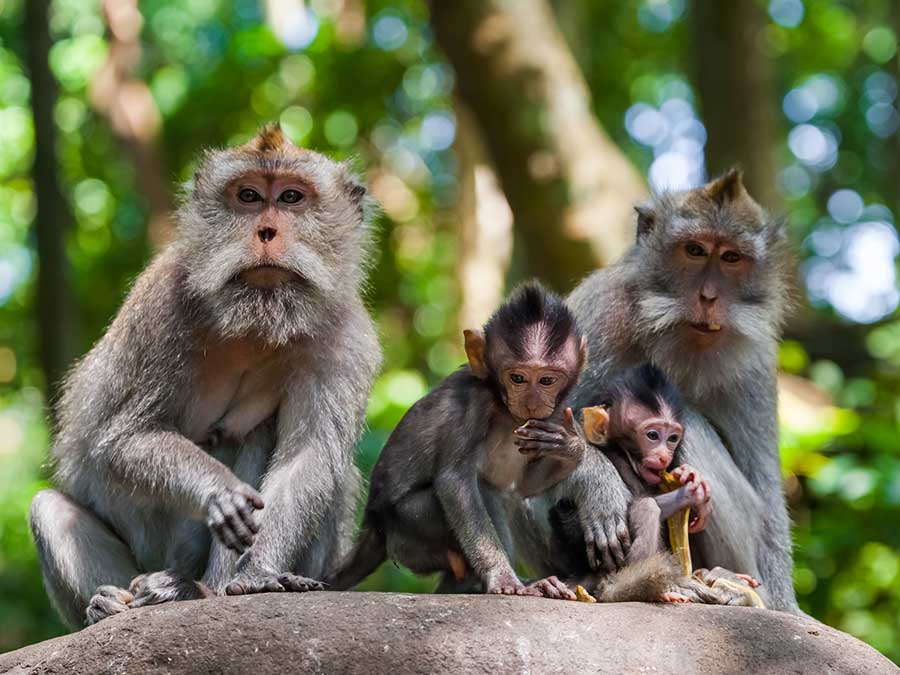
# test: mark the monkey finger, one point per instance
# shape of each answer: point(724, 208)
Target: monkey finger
point(235, 523)
point(542, 425)
point(537, 435)
point(216, 523)
point(234, 588)
point(623, 535)
point(252, 496)
point(615, 548)
point(569, 421)
point(245, 511)
point(606, 557)
point(526, 447)
point(563, 592)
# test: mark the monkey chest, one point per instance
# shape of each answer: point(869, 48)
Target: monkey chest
point(503, 465)
point(235, 390)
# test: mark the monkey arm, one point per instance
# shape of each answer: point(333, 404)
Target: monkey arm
point(673, 501)
point(458, 491)
point(166, 467)
point(311, 477)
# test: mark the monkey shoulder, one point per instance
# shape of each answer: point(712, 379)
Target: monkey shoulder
point(457, 411)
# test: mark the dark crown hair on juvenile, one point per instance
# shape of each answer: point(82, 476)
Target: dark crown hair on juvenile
point(648, 385)
point(530, 304)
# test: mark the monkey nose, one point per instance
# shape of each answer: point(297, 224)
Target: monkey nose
point(266, 234)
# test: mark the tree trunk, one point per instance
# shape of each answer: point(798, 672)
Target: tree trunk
point(570, 188)
point(127, 103)
point(56, 318)
point(485, 226)
point(733, 78)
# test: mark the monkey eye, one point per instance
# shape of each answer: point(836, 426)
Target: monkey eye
point(673, 438)
point(249, 195)
point(653, 435)
point(547, 380)
point(731, 257)
point(516, 378)
point(291, 196)
point(695, 250)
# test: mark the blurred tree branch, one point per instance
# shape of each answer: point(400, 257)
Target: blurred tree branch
point(733, 78)
point(127, 103)
point(485, 226)
point(55, 307)
point(570, 188)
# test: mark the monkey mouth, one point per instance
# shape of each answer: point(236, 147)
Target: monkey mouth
point(651, 476)
point(706, 327)
point(267, 275)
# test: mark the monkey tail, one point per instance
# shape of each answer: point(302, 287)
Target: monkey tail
point(642, 581)
point(369, 551)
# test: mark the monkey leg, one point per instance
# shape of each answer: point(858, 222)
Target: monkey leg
point(82, 561)
point(646, 528)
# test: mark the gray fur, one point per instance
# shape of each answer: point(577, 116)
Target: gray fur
point(628, 312)
point(136, 471)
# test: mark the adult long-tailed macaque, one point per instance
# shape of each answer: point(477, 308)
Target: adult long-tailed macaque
point(702, 295)
point(234, 378)
point(487, 434)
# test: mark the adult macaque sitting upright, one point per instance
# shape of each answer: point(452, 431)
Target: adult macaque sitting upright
point(235, 377)
point(702, 295)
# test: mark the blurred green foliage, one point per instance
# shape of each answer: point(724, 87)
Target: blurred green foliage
point(368, 83)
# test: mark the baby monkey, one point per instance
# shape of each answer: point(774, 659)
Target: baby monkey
point(638, 426)
point(489, 433)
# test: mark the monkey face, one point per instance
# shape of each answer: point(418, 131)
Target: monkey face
point(713, 270)
point(649, 439)
point(272, 236)
point(532, 390)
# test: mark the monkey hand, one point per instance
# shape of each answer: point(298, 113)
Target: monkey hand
point(229, 514)
point(601, 500)
point(540, 438)
point(698, 495)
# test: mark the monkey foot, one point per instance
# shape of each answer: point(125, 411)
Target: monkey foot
point(272, 583)
point(108, 600)
point(551, 587)
point(752, 582)
point(673, 597)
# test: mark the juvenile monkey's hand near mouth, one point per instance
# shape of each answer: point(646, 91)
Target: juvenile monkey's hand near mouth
point(540, 438)
point(229, 514)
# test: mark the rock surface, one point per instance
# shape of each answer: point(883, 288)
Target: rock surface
point(372, 633)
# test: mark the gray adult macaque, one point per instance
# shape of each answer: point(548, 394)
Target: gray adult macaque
point(205, 444)
point(702, 295)
point(489, 435)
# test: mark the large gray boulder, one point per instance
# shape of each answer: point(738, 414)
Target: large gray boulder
point(372, 633)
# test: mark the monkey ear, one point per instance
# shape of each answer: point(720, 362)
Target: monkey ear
point(475, 351)
point(727, 188)
point(646, 219)
point(596, 424)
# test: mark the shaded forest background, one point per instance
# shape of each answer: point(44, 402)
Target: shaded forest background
point(502, 140)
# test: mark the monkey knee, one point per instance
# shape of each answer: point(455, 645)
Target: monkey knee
point(45, 509)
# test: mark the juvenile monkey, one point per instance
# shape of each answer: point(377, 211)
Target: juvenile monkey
point(205, 444)
point(486, 435)
point(638, 426)
point(702, 295)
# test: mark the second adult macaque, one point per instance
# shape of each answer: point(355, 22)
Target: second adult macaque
point(488, 433)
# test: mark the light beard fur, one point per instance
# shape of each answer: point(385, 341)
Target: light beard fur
point(280, 315)
point(747, 348)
